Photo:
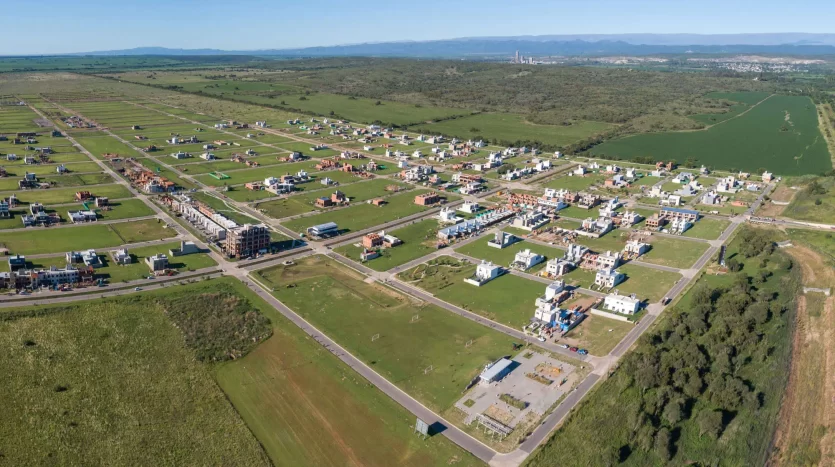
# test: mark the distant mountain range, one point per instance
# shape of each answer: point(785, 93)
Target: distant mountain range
point(564, 45)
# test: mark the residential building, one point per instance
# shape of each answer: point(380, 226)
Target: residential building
point(88, 258)
point(77, 217)
point(462, 229)
point(372, 240)
point(531, 220)
point(624, 304)
point(526, 259)
point(484, 273)
point(557, 267)
point(686, 214)
point(427, 199)
point(121, 256)
point(608, 260)
point(447, 216)
point(17, 262)
point(655, 221)
point(4, 209)
point(635, 248)
point(502, 239)
point(767, 176)
point(247, 240)
point(608, 278)
point(157, 262)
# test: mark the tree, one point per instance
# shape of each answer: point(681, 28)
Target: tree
point(733, 265)
point(710, 423)
point(672, 412)
point(663, 445)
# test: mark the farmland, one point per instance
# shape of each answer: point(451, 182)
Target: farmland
point(780, 134)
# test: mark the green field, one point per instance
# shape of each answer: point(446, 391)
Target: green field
point(510, 127)
point(362, 216)
point(598, 334)
point(98, 145)
point(667, 251)
point(66, 195)
point(39, 240)
point(110, 382)
point(508, 300)
point(504, 256)
point(780, 134)
point(743, 101)
point(707, 228)
point(573, 182)
point(418, 239)
point(649, 284)
point(351, 311)
point(139, 270)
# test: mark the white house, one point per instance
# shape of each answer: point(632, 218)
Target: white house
point(501, 240)
point(608, 260)
point(470, 207)
point(635, 248)
point(608, 278)
point(447, 216)
point(526, 259)
point(627, 305)
point(530, 220)
point(484, 273)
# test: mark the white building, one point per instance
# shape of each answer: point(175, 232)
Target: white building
point(122, 257)
point(526, 259)
point(627, 305)
point(557, 267)
point(502, 240)
point(608, 278)
point(608, 260)
point(530, 220)
point(630, 218)
point(635, 248)
point(484, 273)
point(679, 225)
point(470, 207)
point(447, 216)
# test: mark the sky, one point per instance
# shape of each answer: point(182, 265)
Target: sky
point(61, 26)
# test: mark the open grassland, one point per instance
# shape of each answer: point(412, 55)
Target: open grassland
point(742, 101)
point(362, 216)
point(573, 182)
point(99, 145)
point(299, 203)
point(707, 228)
point(111, 383)
point(598, 334)
point(648, 284)
point(40, 240)
point(138, 269)
point(504, 256)
point(510, 128)
point(308, 408)
point(675, 400)
point(814, 201)
point(418, 239)
point(508, 300)
point(412, 336)
point(780, 134)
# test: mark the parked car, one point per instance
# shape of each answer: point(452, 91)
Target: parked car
point(583, 352)
point(565, 346)
point(541, 339)
point(137, 288)
point(573, 349)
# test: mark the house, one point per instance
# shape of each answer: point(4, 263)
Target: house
point(727, 184)
point(17, 262)
point(624, 304)
point(686, 214)
point(595, 228)
point(372, 240)
point(679, 225)
point(630, 218)
point(608, 260)
point(530, 221)
point(502, 239)
point(711, 198)
point(580, 170)
point(89, 258)
point(608, 278)
point(186, 248)
point(427, 199)
point(484, 273)
point(83, 195)
point(461, 229)
point(121, 256)
point(447, 216)
point(208, 156)
point(390, 241)
point(526, 259)
point(655, 221)
point(323, 202)
point(767, 176)
point(672, 200)
point(367, 255)
point(635, 248)
point(82, 216)
point(588, 200)
point(4, 209)
point(470, 207)
point(157, 262)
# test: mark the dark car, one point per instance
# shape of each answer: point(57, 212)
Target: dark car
point(573, 349)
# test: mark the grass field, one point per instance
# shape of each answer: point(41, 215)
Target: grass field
point(780, 134)
point(98, 145)
point(308, 408)
point(418, 239)
point(110, 383)
point(573, 183)
point(508, 300)
point(139, 270)
point(743, 101)
point(648, 284)
point(39, 240)
point(707, 228)
point(814, 202)
point(668, 251)
point(598, 334)
point(510, 127)
point(351, 311)
point(362, 216)
point(504, 256)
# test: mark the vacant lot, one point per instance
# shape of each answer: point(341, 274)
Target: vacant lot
point(508, 299)
point(504, 256)
point(111, 383)
point(418, 240)
point(707, 228)
point(780, 134)
point(599, 335)
point(412, 336)
point(40, 240)
point(66, 195)
point(668, 251)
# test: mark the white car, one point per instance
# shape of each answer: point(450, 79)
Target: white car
point(541, 339)
point(137, 288)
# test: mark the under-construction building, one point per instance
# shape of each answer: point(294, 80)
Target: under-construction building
point(247, 240)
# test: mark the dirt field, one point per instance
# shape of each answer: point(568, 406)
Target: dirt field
point(804, 431)
point(783, 193)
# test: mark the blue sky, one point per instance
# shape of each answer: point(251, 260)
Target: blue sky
point(53, 26)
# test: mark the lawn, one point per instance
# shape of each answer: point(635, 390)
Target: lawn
point(419, 239)
point(108, 382)
point(337, 301)
point(362, 216)
point(99, 145)
point(124, 209)
point(707, 228)
point(40, 240)
point(139, 270)
point(780, 134)
point(504, 256)
point(649, 284)
point(667, 251)
point(511, 127)
point(574, 182)
point(508, 300)
point(66, 195)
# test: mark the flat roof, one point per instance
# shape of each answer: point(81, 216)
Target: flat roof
point(325, 226)
point(496, 369)
point(680, 210)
